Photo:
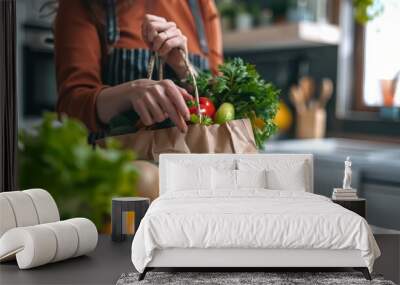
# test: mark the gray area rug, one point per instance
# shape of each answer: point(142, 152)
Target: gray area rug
point(269, 278)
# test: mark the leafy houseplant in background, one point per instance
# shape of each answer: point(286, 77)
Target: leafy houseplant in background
point(240, 86)
point(56, 156)
point(366, 10)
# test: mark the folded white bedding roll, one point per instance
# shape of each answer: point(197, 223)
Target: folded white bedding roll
point(33, 246)
point(23, 208)
point(7, 218)
point(87, 235)
point(41, 244)
point(45, 205)
point(26, 208)
point(67, 240)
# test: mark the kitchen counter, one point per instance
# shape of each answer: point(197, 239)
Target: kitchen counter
point(376, 172)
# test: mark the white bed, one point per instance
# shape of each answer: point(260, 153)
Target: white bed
point(198, 223)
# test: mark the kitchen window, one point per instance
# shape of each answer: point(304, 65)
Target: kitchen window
point(377, 60)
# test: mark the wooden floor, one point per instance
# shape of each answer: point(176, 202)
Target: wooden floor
point(106, 264)
point(103, 266)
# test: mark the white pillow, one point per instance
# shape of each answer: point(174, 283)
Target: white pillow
point(183, 177)
point(229, 179)
point(295, 180)
point(251, 178)
point(224, 179)
point(282, 174)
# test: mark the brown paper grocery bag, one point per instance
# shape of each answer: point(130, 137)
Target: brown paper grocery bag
point(234, 136)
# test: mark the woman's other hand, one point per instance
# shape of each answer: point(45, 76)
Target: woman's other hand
point(166, 39)
point(154, 101)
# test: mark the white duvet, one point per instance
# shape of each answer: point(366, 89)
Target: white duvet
point(250, 219)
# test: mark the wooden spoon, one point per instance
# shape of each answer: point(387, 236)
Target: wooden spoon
point(297, 98)
point(326, 92)
point(307, 86)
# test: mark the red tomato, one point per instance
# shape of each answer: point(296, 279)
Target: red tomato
point(206, 107)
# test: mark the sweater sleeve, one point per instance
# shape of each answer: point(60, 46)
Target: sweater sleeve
point(214, 36)
point(78, 63)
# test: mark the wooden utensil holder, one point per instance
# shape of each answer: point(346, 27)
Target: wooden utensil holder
point(311, 123)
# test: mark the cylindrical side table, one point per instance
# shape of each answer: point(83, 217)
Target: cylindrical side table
point(127, 212)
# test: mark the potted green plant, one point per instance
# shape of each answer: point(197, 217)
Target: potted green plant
point(56, 156)
point(366, 10)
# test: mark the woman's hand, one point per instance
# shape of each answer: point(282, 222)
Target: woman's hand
point(166, 39)
point(154, 101)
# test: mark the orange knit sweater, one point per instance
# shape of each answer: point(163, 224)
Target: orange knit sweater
point(78, 49)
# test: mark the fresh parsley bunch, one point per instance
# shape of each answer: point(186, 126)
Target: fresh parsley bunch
point(240, 84)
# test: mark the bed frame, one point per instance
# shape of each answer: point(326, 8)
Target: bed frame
point(249, 259)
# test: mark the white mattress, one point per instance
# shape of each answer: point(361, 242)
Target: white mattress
point(258, 219)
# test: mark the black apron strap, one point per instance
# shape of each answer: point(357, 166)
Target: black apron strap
point(201, 35)
point(112, 30)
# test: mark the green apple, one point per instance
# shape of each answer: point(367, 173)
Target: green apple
point(225, 113)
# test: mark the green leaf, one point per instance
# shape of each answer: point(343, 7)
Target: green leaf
point(206, 121)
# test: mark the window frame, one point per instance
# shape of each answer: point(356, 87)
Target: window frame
point(359, 71)
point(349, 101)
point(8, 100)
point(361, 120)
